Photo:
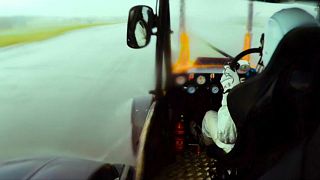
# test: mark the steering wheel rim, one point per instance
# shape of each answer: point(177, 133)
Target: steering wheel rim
point(234, 63)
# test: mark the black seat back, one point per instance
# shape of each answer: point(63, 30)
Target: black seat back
point(275, 110)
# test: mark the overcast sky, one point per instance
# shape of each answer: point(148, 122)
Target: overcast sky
point(69, 8)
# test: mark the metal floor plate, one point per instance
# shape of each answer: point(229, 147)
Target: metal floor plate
point(190, 165)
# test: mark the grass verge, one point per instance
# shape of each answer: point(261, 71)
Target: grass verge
point(32, 35)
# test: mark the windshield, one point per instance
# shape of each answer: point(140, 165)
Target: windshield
point(218, 28)
point(68, 79)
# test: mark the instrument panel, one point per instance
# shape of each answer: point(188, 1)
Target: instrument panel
point(194, 94)
point(194, 82)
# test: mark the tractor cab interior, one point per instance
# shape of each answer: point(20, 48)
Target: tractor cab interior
point(277, 121)
point(273, 111)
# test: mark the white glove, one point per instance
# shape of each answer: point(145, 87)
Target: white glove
point(229, 79)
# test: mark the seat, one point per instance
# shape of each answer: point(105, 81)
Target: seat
point(276, 111)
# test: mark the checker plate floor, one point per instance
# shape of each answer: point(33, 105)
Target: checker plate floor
point(190, 165)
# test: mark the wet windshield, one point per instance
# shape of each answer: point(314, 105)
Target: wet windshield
point(68, 79)
point(201, 29)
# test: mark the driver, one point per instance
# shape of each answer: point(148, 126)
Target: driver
point(218, 127)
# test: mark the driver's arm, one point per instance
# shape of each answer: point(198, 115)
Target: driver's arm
point(227, 132)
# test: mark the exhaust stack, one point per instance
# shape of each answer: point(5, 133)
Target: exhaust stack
point(248, 35)
point(183, 63)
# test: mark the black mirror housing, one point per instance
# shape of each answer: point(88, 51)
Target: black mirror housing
point(140, 23)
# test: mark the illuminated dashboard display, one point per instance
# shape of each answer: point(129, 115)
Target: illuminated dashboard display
point(201, 80)
point(180, 80)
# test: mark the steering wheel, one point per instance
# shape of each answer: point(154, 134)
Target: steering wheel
point(234, 65)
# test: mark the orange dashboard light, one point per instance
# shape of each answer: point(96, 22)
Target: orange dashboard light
point(212, 76)
point(191, 76)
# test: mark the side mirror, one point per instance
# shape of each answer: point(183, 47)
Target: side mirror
point(140, 24)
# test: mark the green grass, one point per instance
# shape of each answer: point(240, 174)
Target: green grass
point(32, 35)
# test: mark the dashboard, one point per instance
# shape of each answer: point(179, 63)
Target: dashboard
point(194, 94)
point(197, 91)
point(193, 83)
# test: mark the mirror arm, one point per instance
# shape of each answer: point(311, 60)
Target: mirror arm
point(155, 25)
point(154, 33)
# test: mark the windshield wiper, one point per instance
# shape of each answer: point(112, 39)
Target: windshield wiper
point(219, 50)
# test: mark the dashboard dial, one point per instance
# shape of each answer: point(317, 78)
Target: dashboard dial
point(180, 80)
point(191, 89)
point(215, 89)
point(201, 80)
